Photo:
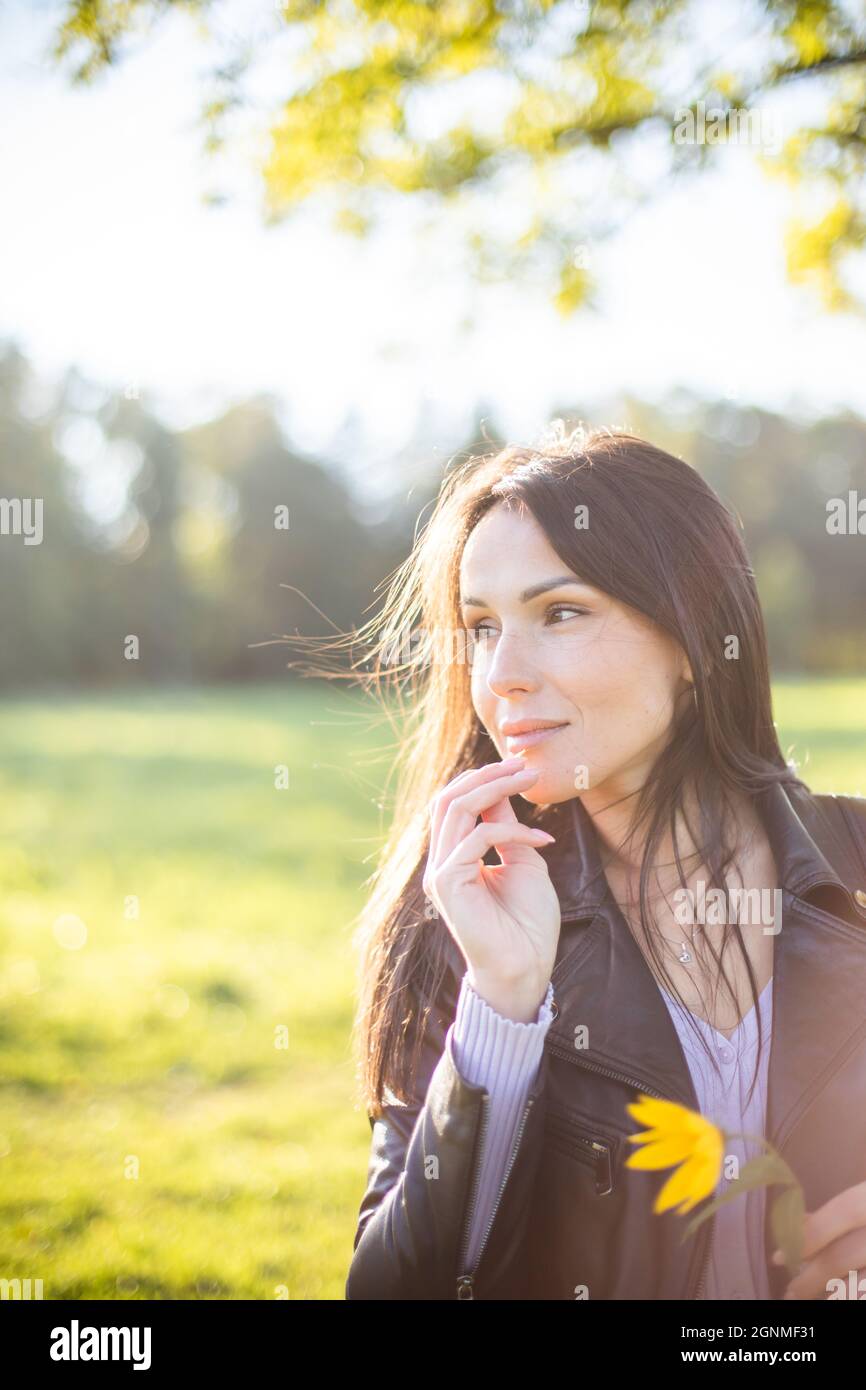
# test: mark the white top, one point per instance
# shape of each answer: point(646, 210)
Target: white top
point(737, 1267)
point(503, 1056)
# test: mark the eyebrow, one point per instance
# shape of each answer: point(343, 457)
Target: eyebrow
point(532, 592)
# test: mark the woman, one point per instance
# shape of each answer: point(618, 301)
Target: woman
point(589, 755)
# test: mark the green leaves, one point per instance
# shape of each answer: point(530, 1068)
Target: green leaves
point(403, 97)
point(787, 1211)
point(787, 1217)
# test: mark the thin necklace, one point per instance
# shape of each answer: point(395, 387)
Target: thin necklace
point(684, 955)
point(681, 948)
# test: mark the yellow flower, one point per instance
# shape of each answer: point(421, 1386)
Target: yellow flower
point(679, 1136)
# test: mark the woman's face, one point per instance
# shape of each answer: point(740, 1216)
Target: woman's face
point(548, 647)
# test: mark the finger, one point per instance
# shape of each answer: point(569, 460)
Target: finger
point(514, 853)
point(485, 777)
point(522, 839)
point(842, 1213)
point(833, 1262)
point(502, 810)
point(472, 777)
point(465, 810)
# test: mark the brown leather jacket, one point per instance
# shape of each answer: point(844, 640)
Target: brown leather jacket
point(570, 1214)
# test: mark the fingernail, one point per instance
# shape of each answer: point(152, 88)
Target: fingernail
point(544, 834)
point(777, 1257)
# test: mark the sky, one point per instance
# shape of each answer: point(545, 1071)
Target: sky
point(110, 261)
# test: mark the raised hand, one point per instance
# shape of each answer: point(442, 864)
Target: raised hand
point(504, 917)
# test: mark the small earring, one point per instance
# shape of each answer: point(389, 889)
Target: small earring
point(695, 695)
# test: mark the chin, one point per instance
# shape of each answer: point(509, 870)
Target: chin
point(548, 791)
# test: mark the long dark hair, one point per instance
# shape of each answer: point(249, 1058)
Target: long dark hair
point(659, 540)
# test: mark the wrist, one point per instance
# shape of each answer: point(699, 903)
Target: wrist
point(519, 1002)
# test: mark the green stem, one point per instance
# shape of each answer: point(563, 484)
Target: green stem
point(765, 1143)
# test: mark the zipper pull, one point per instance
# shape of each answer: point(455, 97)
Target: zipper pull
point(604, 1172)
point(464, 1286)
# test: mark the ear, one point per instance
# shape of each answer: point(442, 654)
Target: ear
point(686, 671)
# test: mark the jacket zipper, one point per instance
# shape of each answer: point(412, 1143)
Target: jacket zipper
point(465, 1282)
point(647, 1090)
point(699, 1291)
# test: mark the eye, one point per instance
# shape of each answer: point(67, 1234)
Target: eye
point(570, 610)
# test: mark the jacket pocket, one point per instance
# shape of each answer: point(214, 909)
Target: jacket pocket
point(587, 1143)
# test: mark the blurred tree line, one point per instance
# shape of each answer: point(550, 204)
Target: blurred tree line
point(205, 542)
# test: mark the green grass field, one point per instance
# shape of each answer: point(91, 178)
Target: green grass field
point(155, 1142)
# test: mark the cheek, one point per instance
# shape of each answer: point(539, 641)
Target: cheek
point(486, 707)
point(603, 675)
point(482, 698)
point(620, 688)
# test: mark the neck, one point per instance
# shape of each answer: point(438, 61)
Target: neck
point(612, 813)
point(624, 850)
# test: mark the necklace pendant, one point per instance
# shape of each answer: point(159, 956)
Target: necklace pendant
point(685, 957)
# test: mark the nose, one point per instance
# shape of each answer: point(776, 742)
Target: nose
point(509, 666)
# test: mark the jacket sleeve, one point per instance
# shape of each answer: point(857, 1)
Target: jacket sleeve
point(503, 1056)
point(413, 1225)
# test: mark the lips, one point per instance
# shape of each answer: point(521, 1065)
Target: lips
point(515, 742)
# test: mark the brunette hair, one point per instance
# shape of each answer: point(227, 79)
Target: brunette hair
point(661, 541)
